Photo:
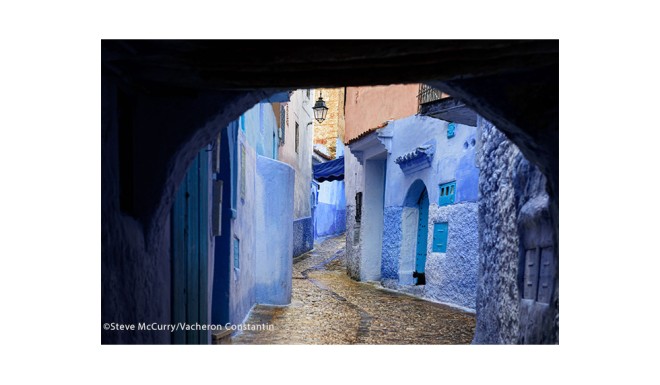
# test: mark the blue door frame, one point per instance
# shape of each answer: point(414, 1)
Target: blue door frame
point(422, 238)
point(190, 236)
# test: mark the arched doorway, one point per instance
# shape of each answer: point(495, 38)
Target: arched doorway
point(422, 238)
point(414, 228)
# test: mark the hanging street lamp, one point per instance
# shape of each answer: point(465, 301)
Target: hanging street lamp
point(320, 109)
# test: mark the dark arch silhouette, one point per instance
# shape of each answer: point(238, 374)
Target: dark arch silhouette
point(162, 101)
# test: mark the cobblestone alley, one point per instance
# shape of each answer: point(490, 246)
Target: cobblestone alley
point(328, 307)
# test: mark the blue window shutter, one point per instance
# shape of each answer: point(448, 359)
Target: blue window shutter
point(440, 231)
point(447, 193)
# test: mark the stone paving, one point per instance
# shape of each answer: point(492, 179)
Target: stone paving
point(330, 308)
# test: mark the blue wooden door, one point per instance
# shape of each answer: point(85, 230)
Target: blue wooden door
point(190, 235)
point(422, 237)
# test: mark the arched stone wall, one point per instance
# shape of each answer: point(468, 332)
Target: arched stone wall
point(166, 100)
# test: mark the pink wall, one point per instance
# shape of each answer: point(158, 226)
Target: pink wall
point(368, 107)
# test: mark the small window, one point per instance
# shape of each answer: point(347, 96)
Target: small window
point(242, 171)
point(297, 137)
point(237, 259)
point(447, 193)
point(440, 231)
point(283, 121)
point(358, 207)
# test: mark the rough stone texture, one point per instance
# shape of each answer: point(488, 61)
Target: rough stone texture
point(392, 236)
point(539, 321)
point(508, 182)
point(451, 277)
point(332, 127)
point(303, 235)
point(534, 130)
point(497, 294)
point(352, 244)
point(354, 180)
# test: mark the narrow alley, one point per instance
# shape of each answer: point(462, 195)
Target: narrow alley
point(328, 307)
point(389, 212)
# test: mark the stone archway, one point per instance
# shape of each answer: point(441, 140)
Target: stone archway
point(180, 94)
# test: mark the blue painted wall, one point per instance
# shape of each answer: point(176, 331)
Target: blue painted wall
point(450, 276)
point(235, 288)
point(330, 212)
point(391, 242)
point(261, 129)
point(340, 148)
point(242, 279)
point(454, 159)
point(222, 247)
point(303, 235)
point(274, 189)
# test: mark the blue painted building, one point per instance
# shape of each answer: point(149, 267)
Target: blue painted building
point(295, 149)
point(430, 214)
point(252, 226)
point(414, 223)
point(329, 206)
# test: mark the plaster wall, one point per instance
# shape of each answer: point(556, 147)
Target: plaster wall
point(451, 276)
point(299, 110)
point(330, 212)
point(274, 215)
point(368, 107)
point(372, 221)
point(354, 182)
point(454, 159)
point(260, 126)
point(242, 278)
